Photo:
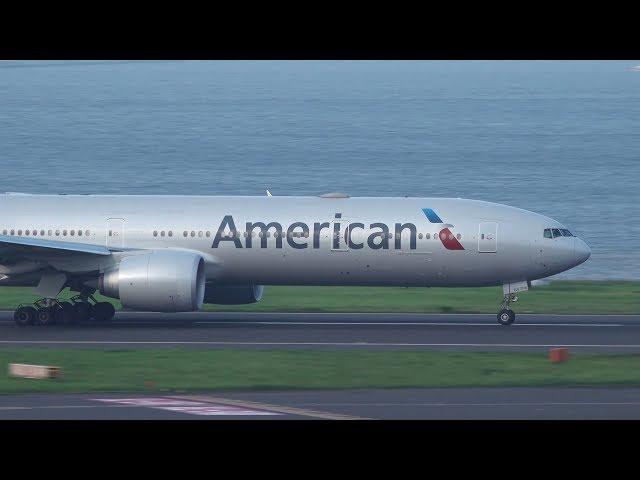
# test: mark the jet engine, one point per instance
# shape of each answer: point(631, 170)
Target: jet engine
point(233, 295)
point(157, 281)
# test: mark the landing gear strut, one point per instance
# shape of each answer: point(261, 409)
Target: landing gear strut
point(506, 316)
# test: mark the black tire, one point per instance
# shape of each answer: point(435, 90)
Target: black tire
point(82, 312)
point(45, 316)
point(90, 310)
point(103, 311)
point(64, 313)
point(24, 316)
point(506, 316)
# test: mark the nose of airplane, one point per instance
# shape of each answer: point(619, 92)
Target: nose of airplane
point(581, 251)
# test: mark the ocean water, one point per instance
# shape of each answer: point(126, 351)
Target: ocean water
point(561, 138)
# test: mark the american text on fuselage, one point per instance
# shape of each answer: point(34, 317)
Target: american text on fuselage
point(298, 235)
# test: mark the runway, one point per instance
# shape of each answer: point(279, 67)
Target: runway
point(587, 333)
point(393, 404)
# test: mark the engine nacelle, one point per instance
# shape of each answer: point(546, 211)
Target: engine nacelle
point(233, 295)
point(158, 281)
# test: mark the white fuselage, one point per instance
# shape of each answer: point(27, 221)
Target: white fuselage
point(327, 241)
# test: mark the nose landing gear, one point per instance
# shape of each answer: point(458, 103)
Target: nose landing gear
point(506, 316)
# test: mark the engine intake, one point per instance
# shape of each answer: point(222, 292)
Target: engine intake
point(158, 281)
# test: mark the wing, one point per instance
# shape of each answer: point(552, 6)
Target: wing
point(24, 247)
point(28, 256)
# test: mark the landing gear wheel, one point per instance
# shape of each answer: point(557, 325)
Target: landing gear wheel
point(45, 316)
point(506, 316)
point(65, 313)
point(24, 316)
point(103, 311)
point(82, 312)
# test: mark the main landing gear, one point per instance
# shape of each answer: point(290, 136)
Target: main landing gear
point(506, 316)
point(50, 311)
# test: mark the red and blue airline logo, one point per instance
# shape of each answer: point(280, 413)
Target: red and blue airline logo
point(447, 238)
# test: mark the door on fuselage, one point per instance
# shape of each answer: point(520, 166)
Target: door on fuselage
point(115, 233)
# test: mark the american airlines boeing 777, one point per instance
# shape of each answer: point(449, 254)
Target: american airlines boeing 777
point(174, 253)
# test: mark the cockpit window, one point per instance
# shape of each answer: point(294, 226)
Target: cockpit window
point(556, 232)
point(566, 232)
point(547, 233)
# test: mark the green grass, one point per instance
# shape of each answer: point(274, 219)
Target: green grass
point(556, 297)
point(170, 370)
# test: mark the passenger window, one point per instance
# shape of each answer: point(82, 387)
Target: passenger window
point(170, 233)
point(79, 233)
point(547, 233)
point(19, 232)
point(26, 233)
point(162, 233)
point(4, 232)
point(13, 232)
point(49, 233)
point(556, 232)
point(58, 233)
point(42, 233)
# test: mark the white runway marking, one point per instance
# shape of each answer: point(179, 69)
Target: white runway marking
point(377, 314)
point(47, 407)
point(444, 324)
point(469, 324)
point(184, 406)
point(216, 410)
point(444, 404)
point(328, 344)
point(401, 314)
point(149, 402)
point(273, 408)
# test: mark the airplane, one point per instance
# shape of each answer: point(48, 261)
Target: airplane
point(170, 253)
